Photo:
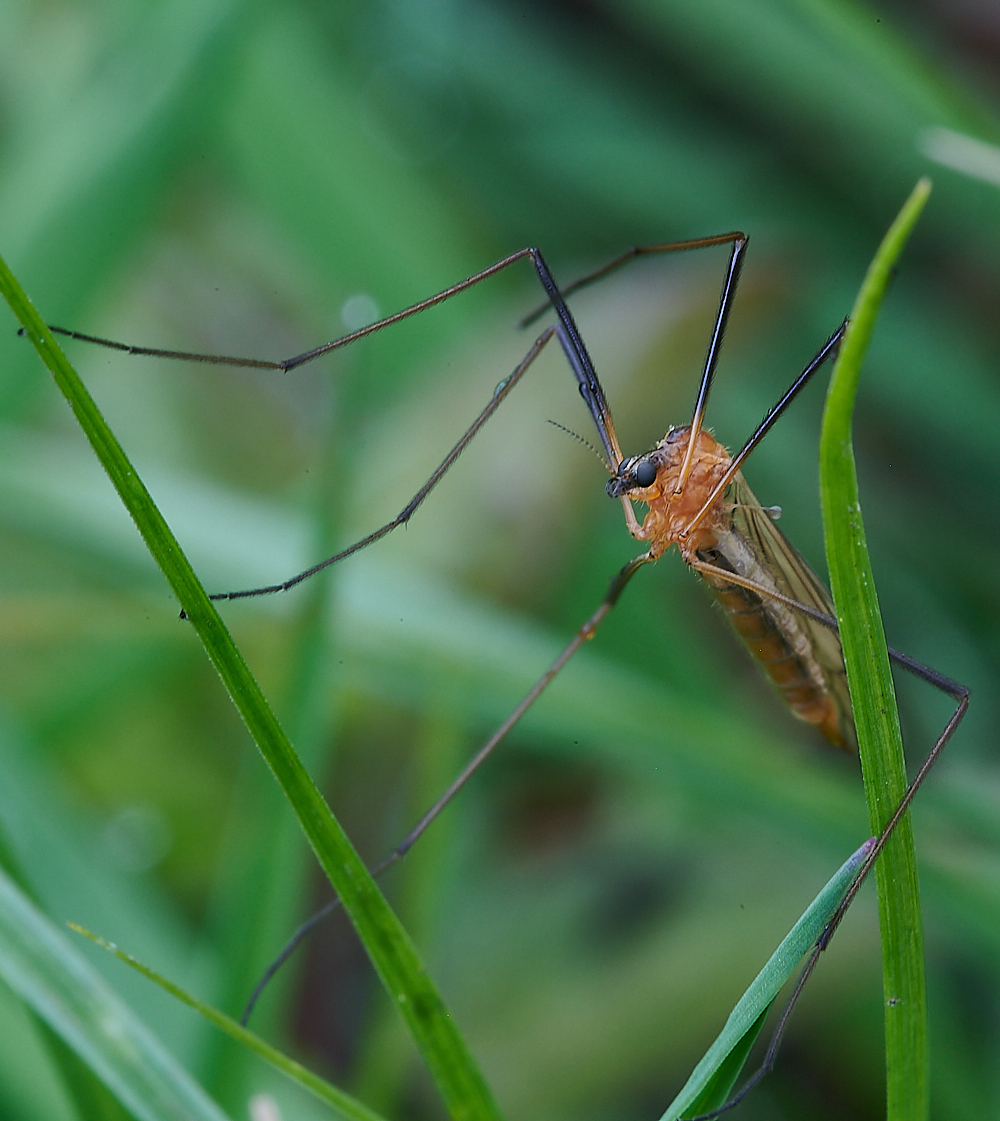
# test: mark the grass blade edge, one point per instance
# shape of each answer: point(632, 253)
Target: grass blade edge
point(873, 695)
point(392, 952)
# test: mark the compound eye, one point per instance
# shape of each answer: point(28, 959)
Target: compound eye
point(645, 473)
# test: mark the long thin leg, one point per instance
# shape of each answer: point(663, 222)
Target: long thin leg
point(918, 669)
point(590, 389)
point(630, 254)
point(569, 337)
point(601, 414)
point(828, 349)
point(572, 340)
point(583, 634)
point(712, 358)
point(739, 244)
point(308, 355)
point(498, 398)
point(583, 367)
point(586, 632)
point(958, 693)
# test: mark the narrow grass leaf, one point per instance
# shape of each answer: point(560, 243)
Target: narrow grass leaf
point(720, 1084)
point(93, 1100)
point(343, 1103)
point(60, 987)
point(391, 951)
point(873, 696)
point(747, 1017)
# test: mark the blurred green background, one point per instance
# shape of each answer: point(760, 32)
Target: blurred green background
point(246, 178)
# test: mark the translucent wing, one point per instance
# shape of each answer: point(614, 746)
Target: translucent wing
point(795, 579)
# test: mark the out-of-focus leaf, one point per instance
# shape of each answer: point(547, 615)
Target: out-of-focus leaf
point(872, 693)
point(52, 978)
point(392, 952)
point(343, 1103)
point(704, 1091)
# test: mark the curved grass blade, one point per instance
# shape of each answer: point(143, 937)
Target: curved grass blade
point(873, 696)
point(342, 1102)
point(93, 1100)
point(719, 1086)
point(714, 1077)
point(389, 947)
point(63, 990)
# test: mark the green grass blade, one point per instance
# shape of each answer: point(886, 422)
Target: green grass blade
point(873, 696)
point(702, 1090)
point(64, 991)
point(391, 951)
point(93, 1100)
point(720, 1085)
point(342, 1102)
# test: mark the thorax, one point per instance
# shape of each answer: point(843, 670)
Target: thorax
point(670, 513)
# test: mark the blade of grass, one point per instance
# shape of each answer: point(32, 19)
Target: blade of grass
point(873, 696)
point(391, 951)
point(342, 1102)
point(719, 1086)
point(63, 990)
point(93, 1100)
point(713, 1077)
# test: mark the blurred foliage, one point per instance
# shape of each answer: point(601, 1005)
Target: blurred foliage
point(241, 178)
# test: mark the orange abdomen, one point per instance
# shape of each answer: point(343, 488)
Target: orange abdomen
point(780, 661)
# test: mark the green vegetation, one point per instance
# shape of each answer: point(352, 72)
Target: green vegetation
point(872, 694)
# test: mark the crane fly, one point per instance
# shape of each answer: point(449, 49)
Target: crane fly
point(697, 499)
